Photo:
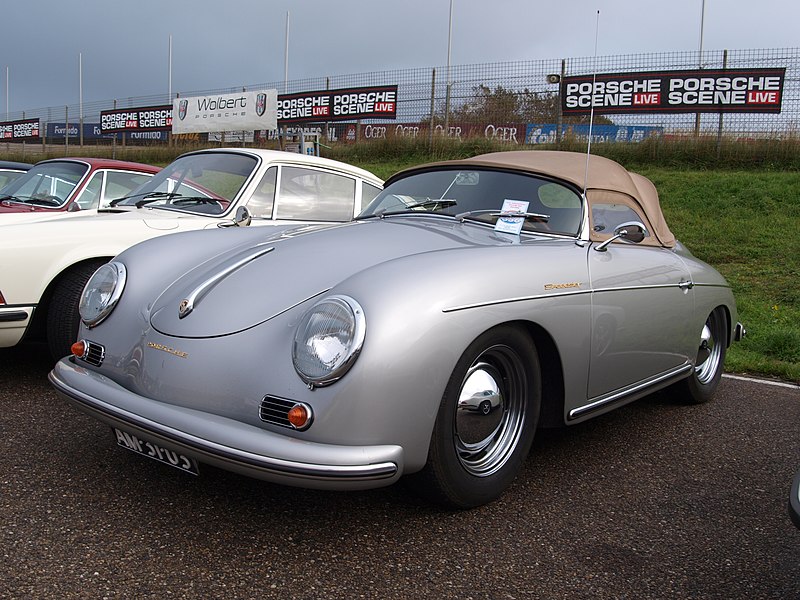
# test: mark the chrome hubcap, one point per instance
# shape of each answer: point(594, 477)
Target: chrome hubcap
point(491, 411)
point(709, 353)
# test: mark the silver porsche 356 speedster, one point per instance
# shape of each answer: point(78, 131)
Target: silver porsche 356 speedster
point(471, 303)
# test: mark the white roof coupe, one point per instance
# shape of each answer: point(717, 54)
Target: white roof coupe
point(44, 265)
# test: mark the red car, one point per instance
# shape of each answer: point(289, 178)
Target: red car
point(9, 171)
point(72, 184)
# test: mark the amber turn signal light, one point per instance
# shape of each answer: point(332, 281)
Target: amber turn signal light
point(299, 416)
point(78, 349)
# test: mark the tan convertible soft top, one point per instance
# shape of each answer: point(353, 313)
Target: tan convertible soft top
point(603, 175)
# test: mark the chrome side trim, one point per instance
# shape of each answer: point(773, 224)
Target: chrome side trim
point(679, 285)
point(626, 393)
point(625, 288)
point(512, 300)
point(188, 303)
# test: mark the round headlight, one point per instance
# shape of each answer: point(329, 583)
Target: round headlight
point(328, 340)
point(101, 293)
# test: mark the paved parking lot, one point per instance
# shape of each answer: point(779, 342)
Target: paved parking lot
point(652, 501)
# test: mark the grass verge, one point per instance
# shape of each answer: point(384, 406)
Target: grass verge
point(734, 204)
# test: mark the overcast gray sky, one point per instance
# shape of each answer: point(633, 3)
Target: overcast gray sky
point(227, 43)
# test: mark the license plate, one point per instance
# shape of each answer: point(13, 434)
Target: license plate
point(156, 452)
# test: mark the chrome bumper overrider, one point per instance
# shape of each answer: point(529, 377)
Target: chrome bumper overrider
point(226, 443)
point(739, 332)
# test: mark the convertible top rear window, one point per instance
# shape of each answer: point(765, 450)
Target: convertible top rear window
point(480, 192)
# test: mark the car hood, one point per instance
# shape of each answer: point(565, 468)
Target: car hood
point(256, 281)
point(29, 216)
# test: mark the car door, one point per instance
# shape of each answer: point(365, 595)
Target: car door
point(642, 302)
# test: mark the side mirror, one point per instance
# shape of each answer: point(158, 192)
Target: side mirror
point(242, 218)
point(632, 231)
point(74, 207)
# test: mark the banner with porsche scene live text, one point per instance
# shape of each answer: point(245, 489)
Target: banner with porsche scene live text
point(148, 118)
point(24, 130)
point(692, 91)
point(348, 104)
point(242, 111)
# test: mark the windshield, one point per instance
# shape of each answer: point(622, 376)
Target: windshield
point(483, 195)
point(46, 184)
point(204, 183)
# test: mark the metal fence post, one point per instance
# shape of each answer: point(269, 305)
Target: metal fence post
point(433, 107)
point(114, 139)
point(560, 125)
point(719, 130)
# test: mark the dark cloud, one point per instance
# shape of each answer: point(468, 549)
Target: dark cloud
point(217, 45)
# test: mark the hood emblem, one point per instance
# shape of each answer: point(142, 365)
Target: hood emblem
point(187, 304)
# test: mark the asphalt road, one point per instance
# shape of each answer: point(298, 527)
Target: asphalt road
point(652, 501)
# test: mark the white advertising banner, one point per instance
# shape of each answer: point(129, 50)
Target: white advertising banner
point(226, 112)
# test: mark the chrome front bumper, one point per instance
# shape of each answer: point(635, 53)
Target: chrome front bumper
point(225, 443)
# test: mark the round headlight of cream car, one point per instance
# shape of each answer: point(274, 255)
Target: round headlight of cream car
point(328, 340)
point(101, 294)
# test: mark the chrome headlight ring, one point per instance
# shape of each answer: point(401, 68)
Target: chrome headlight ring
point(101, 293)
point(328, 340)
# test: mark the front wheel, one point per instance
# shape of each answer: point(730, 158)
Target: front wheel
point(704, 379)
point(474, 457)
point(63, 318)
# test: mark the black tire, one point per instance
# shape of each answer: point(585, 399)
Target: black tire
point(63, 318)
point(704, 379)
point(485, 407)
point(473, 458)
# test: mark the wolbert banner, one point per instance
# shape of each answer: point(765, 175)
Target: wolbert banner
point(244, 111)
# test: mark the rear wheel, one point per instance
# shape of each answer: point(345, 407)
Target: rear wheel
point(474, 457)
point(700, 386)
point(63, 318)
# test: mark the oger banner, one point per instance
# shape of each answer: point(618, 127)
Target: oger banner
point(244, 111)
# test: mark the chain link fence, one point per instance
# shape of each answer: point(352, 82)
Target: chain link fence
point(515, 102)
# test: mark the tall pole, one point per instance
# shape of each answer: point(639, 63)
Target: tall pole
point(700, 61)
point(7, 93)
point(449, 82)
point(702, 27)
point(80, 99)
point(169, 71)
point(286, 58)
point(169, 86)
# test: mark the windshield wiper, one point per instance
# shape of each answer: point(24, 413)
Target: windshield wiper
point(44, 201)
point(10, 198)
point(501, 214)
point(411, 208)
point(195, 199)
point(153, 195)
